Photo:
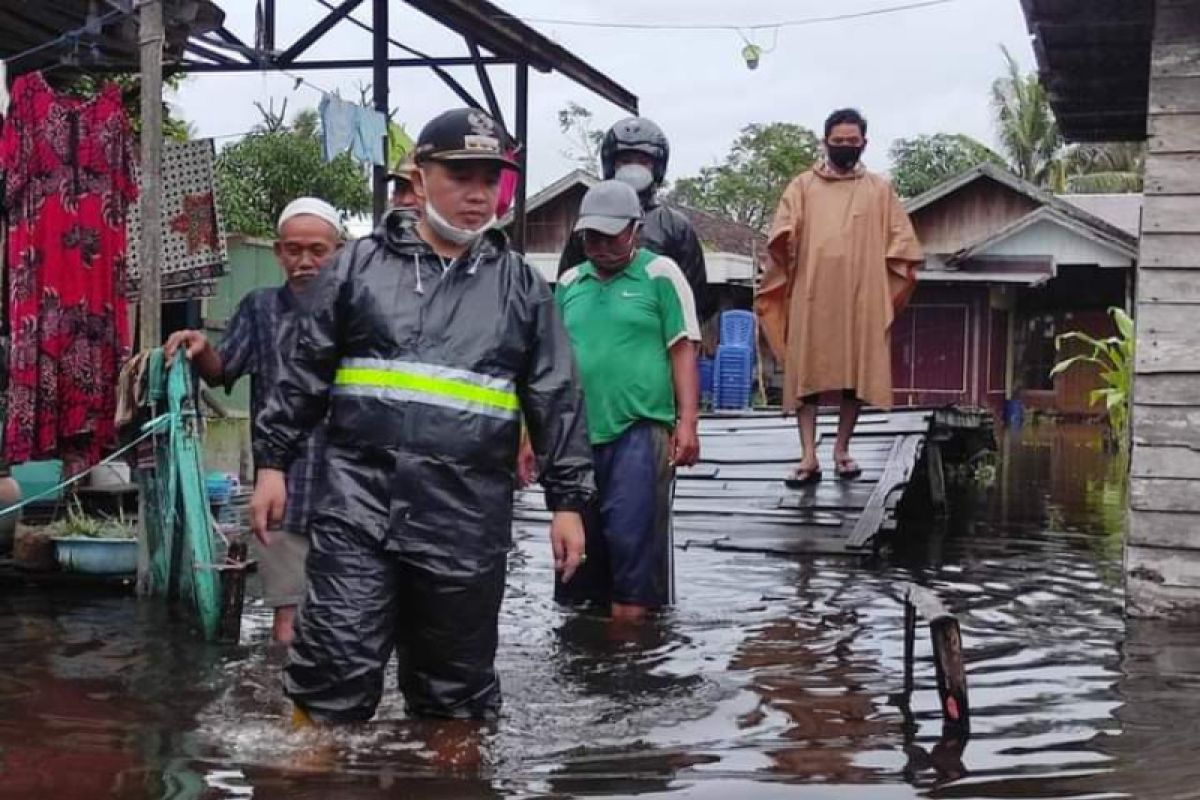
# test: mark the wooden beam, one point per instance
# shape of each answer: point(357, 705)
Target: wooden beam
point(1163, 494)
point(1156, 585)
point(1168, 338)
point(899, 469)
point(151, 42)
point(1169, 566)
point(151, 39)
point(1175, 60)
point(1169, 286)
point(1174, 173)
point(1176, 22)
point(233, 591)
point(1168, 251)
point(1163, 529)
point(1171, 214)
point(1166, 425)
point(1167, 389)
point(936, 470)
point(1175, 95)
point(1177, 133)
point(1166, 462)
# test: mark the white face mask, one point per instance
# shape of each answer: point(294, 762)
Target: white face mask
point(451, 233)
point(637, 176)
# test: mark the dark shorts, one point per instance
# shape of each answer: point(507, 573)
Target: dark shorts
point(629, 536)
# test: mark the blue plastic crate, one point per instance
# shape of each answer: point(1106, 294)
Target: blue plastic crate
point(737, 329)
point(733, 373)
point(733, 398)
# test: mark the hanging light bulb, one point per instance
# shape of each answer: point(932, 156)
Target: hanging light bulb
point(752, 53)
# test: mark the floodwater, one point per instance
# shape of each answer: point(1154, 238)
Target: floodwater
point(773, 678)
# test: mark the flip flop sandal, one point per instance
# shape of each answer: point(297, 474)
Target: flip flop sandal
point(848, 469)
point(803, 477)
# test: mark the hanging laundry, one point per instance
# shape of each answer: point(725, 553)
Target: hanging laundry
point(347, 126)
point(69, 184)
point(371, 134)
point(194, 251)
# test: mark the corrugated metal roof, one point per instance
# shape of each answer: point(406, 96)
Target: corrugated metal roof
point(1094, 60)
point(26, 24)
point(1122, 211)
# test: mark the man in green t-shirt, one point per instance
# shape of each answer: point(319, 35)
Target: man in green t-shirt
point(632, 323)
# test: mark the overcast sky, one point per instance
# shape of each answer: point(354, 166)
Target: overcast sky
point(920, 71)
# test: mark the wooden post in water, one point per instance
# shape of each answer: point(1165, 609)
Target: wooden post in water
point(233, 591)
point(150, 40)
point(951, 674)
point(936, 468)
point(910, 642)
point(946, 638)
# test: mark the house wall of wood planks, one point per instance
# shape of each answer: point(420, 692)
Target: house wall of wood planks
point(1162, 557)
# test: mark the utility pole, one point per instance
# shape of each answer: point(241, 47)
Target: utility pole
point(150, 41)
point(150, 18)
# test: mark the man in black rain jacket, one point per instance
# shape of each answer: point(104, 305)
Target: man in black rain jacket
point(636, 151)
point(422, 345)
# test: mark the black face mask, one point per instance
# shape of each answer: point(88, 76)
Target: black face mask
point(843, 156)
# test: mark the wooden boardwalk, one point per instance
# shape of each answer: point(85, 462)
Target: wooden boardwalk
point(735, 498)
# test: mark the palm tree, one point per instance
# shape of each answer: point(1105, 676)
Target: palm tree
point(1027, 129)
point(1106, 168)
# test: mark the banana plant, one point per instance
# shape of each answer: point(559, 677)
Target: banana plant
point(1114, 358)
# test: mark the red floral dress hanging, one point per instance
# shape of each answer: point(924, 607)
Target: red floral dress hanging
point(67, 166)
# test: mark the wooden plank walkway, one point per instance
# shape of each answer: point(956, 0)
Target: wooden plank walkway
point(735, 498)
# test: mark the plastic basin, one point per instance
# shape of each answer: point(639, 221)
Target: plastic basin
point(36, 477)
point(96, 556)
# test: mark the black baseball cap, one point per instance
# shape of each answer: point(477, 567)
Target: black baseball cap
point(464, 134)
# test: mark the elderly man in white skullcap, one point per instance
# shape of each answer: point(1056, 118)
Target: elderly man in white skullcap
point(309, 234)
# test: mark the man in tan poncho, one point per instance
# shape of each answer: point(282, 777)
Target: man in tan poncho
point(842, 258)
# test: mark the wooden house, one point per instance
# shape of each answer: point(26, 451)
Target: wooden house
point(1130, 70)
point(1008, 268)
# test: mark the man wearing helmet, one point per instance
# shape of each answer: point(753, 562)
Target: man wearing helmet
point(635, 151)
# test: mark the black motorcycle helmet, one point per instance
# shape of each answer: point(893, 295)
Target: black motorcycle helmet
point(635, 133)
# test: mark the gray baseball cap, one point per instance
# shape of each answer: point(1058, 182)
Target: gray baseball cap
point(609, 207)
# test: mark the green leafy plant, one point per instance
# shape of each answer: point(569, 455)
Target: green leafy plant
point(1113, 356)
point(261, 173)
point(80, 525)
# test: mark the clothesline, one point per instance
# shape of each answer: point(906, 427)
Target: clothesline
point(70, 35)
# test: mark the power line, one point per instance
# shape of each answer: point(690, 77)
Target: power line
point(699, 26)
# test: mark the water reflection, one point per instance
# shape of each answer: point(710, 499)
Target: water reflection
point(770, 673)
